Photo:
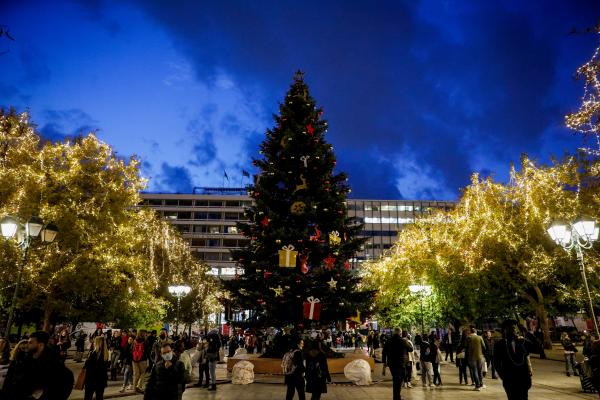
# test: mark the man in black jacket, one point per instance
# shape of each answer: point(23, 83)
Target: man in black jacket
point(395, 357)
point(43, 375)
point(167, 377)
point(511, 360)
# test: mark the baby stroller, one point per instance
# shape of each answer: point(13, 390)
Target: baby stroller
point(585, 376)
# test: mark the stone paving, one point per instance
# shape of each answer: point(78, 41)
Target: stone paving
point(550, 383)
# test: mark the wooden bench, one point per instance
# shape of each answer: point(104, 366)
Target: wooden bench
point(273, 365)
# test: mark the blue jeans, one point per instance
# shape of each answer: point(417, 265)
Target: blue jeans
point(476, 372)
point(126, 375)
point(212, 368)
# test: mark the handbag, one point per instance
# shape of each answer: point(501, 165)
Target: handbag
point(80, 380)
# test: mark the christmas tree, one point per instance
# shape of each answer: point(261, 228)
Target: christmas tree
point(297, 268)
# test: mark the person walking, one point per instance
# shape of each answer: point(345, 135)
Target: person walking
point(95, 367)
point(435, 363)
point(594, 363)
point(474, 355)
point(317, 371)
point(140, 362)
point(212, 356)
point(426, 362)
point(511, 359)
point(202, 348)
point(63, 345)
point(80, 346)
point(395, 356)
point(13, 387)
point(569, 350)
point(489, 353)
point(167, 377)
point(127, 361)
point(46, 376)
point(186, 360)
point(115, 354)
point(461, 359)
point(293, 370)
point(448, 345)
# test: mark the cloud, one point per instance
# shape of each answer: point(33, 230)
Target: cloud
point(60, 124)
point(425, 89)
point(175, 178)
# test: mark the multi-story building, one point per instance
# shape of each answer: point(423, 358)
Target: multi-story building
point(207, 219)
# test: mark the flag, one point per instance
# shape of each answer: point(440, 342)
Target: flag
point(225, 175)
point(245, 173)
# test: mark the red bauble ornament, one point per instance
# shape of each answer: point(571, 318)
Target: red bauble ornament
point(265, 222)
point(310, 129)
point(304, 263)
point(317, 235)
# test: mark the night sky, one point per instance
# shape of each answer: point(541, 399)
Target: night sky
point(418, 94)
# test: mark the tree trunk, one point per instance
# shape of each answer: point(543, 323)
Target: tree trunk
point(540, 312)
point(543, 318)
point(47, 314)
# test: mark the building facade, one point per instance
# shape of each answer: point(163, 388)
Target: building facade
point(207, 219)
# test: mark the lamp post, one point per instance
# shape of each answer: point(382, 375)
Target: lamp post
point(579, 235)
point(422, 290)
point(179, 291)
point(25, 234)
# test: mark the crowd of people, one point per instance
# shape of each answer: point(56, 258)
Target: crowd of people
point(147, 362)
point(160, 366)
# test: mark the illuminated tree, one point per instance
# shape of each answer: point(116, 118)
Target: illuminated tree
point(493, 248)
point(106, 263)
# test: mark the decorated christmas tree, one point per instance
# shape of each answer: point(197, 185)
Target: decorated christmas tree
point(297, 268)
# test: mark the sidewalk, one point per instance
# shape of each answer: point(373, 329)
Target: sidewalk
point(549, 382)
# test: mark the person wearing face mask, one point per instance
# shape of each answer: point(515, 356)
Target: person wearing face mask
point(511, 360)
point(167, 377)
point(157, 345)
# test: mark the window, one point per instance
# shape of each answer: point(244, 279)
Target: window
point(214, 229)
point(232, 203)
point(215, 203)
point(213, 242)
point(170, 214)
point(155, 202)
point(227, 271)
point(171, 202)
point(245, 203)
point(214, 215)
point(388, 220)
point(230, 243)
point(183, 228)
point(232, 216)
point(184, 215)
point(185, 203)
point(201, 203)
point(200, 215)
point(212, 256)
point(198, 242)
point(232, 230)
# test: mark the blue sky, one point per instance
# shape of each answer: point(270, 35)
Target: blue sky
point(418, 94)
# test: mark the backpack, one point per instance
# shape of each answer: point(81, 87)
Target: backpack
point(138, 351)
point(288, 362)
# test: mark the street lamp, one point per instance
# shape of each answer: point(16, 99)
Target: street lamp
point(25, 234)
point(579, 235)
point(179, 291)
point(422, 290)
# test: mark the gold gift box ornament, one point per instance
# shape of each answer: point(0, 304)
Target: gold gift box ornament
point(287, 256)
point(334, 238)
